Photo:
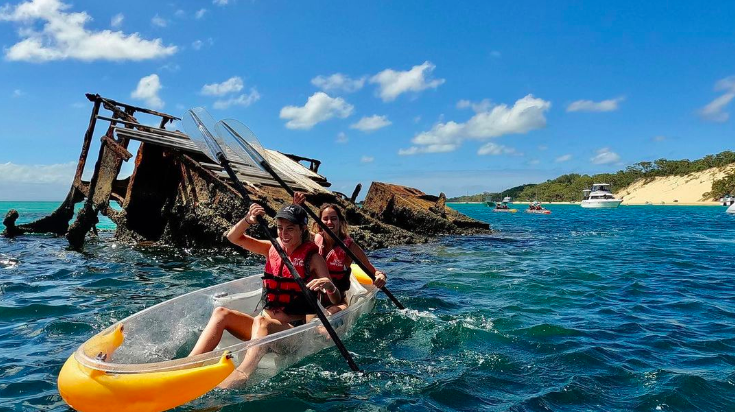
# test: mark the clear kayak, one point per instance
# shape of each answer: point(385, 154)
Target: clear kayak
point(505, 210)
point(141, 363)
point(539, 212)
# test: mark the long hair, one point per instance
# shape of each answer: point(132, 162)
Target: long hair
point(344, 229)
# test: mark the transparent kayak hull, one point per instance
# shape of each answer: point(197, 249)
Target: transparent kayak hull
point(141, 363)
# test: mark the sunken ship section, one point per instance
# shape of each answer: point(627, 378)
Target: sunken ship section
point(177, 196)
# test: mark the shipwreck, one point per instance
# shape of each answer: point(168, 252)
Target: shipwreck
point(177, 196)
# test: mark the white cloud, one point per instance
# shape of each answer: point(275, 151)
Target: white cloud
point(563, 158)
point(200, 13)
point(220, 2)
point(232, 85)
point(342, 138)
point(180, 14)
point(494, 149)
point(171, 67)
point(338, 82)
point(245, 100)
point(18, 93)
point(54, 174)
point(147, 90)
point(659, 138)
point(35, 182)
point(543, 147)
point(64, 36)
point(478, 107)
point(117, 20)
point(714, 111)
point(197, 44)
point(318, 108)
point(159, 21)
point(526, 114)
point(589, 106)
point(605, 156)
point(534, 162)
point(369, 124)
point(367, 159)
point(393, 83)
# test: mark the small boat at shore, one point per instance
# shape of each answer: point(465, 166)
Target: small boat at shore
point(536, 209)
point(600, 197)
point(731, 209)
point(141, 363)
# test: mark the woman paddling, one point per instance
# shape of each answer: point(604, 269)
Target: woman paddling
point(338, 262)
point(284, 303)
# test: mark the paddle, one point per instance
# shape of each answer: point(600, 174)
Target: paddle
point(247, 147)
point(196, 123)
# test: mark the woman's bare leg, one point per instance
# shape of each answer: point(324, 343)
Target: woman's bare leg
point(262, 326)
point(237, 323)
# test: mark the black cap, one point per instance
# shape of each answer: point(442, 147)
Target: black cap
point(294, 214)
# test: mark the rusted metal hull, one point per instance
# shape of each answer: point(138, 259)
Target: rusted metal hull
point(176, 196)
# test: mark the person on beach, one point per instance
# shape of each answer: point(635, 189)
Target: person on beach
point(285, 306)
point(338, 262)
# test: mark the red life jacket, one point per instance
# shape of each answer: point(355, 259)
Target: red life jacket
point(280, 290)
point(336, 259)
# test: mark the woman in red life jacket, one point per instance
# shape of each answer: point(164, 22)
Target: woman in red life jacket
point(338, 262)
point(284, 303)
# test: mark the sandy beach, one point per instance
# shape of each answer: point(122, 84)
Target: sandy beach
point(675, 190)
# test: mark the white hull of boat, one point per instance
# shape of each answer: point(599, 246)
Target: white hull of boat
point(601, 203)
point(731, 209)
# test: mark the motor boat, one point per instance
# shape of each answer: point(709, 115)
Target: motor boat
point(600, 197)
point(731, 209)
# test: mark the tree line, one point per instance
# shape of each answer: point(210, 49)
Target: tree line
point(568, 187)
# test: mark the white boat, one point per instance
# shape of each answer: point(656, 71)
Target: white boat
point(731, 209)
point(600, 197)
point(140, 363)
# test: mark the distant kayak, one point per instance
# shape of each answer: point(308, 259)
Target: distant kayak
point(505, 210)
point(140, 363)
point(539, 212)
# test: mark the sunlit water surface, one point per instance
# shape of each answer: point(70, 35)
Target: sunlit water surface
point(608, 310)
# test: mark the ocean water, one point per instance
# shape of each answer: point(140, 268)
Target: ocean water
point(630, 309)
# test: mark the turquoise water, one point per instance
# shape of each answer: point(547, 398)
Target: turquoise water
point(582, 310)
point(31, 211)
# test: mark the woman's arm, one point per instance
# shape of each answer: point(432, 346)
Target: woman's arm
point(323, 282)
point(237, 235)
point(380, 277)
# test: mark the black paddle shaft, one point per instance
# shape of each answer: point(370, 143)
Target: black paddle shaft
point(264, 164)
point(284, 257)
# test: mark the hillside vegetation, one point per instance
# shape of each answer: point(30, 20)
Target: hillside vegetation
point(568, 188)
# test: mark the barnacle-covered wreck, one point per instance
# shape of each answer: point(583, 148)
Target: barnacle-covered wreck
point(177, 196)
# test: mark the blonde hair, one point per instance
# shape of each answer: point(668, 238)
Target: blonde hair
point(344, 229)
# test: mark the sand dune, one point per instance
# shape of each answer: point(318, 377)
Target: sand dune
point(674, 189)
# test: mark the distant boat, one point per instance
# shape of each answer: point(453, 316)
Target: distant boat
point(731, 209)
point(537, 209)
point(727, 200)
point(503, 207)
point(600, 197)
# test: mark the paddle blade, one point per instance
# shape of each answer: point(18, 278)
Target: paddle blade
point(242, 143)
point(199, 126)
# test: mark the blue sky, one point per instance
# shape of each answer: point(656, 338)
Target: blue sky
point(457, 97)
